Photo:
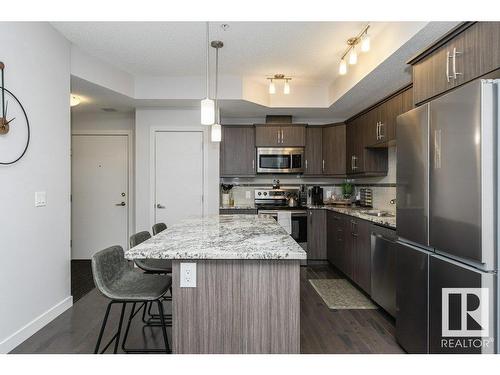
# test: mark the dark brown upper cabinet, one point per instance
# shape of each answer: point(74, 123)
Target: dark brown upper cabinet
point(284, 135)
point(407, 100)
point(334, 150)
point(237, 151)
point(467, 52)
point(360, 159)
point(313, 153)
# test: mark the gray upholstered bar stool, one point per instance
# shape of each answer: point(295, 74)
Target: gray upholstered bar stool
point(152, 266)
point(121, 283)
point(159, 227)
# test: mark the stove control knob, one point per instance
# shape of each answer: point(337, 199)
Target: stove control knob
point(259, 193)
point(265, 193)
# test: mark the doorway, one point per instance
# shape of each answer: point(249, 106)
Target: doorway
point(179, 167)
point(99, 201)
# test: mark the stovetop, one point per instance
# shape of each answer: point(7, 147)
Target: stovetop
point(282, 208)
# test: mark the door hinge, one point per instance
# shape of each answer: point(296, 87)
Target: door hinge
point(70, 243)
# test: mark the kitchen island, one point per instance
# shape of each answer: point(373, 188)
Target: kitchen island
point(247, 293)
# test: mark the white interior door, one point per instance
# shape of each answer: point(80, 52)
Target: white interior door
point(99, 188)
point(178, 175)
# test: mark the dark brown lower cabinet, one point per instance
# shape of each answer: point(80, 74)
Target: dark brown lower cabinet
point(348, 247)
point(316, 235)
point(361, 250)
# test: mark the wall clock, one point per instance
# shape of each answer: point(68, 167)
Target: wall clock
point(14, 125)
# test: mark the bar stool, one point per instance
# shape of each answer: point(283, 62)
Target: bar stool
point(152, 266)
point(159, 227)
point(121, 283)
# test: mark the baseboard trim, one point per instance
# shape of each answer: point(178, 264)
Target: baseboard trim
point(35, 325)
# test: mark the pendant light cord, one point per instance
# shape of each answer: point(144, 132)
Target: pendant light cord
point(217, 86)
point(208, 58)
point(3, 94)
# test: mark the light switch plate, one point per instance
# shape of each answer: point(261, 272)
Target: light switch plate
point(188, 275)
point(247, 194)
point(40, 198)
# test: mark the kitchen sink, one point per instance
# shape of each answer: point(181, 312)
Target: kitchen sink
point(378, 213)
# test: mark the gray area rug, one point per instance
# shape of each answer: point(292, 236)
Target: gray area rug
point(341, 294)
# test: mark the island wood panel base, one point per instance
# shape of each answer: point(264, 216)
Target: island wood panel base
point(238, 306)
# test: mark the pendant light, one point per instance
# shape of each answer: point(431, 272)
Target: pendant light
point(353, 56)
point(365, 42)
point(272, 87)
point(343, 67)
point(286, 87)
point(216, 133)
point(207, 104)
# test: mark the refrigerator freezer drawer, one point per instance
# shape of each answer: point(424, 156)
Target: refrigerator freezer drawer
point(412, 291)
point(462, 312)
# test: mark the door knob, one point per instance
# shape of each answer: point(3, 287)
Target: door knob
point(160, 206)
point(120, 204)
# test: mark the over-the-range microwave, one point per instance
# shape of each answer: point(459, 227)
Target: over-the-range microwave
point(280, 159)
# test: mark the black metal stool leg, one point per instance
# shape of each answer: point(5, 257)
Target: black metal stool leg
point(103, 326)
point(163, 326)
point(119, 328)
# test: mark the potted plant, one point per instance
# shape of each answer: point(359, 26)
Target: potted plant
point(347, 189)
point(226, 188)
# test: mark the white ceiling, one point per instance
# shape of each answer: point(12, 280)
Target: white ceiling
point(306, 50)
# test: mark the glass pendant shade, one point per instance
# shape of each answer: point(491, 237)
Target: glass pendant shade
point(272, 88)
point(365, 43)
point(216, 134)
point(286, 88)
point(342, 67)
point(353, 56)
point(207, 111)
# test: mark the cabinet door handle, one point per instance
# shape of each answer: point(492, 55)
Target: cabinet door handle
point(278, 136)
point(437, 149)
point(355, 162)
point(253, 164)
point(306, 163)
point(454, 63)
point(381, 132)
point(282, 136)
point(448, 66)
point(378, 134)
point(323, 165)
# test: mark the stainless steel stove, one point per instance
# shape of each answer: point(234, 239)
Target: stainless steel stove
point(271, 201)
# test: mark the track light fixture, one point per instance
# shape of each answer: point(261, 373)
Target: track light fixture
point(351, 53)
point(279, 77)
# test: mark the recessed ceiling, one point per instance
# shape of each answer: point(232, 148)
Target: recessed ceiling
point(309, 50)
point(306, 50)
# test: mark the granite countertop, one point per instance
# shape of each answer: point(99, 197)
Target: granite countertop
point(388, 221)
point(221, 237)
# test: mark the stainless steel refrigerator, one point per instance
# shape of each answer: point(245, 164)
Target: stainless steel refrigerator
point(447, 223)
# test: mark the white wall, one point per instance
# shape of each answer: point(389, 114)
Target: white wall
point(148, 119)
point(102, 121)
point(34, 242)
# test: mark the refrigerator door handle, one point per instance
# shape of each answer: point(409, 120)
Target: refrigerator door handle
point(437, 149)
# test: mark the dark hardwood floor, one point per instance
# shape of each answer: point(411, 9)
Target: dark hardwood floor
point(322, 330)
point(81, 278)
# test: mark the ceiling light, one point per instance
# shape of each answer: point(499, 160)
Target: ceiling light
point(279, 77)
point(216, 133)
point(207, 104)
point(351, 52)
point(365, 42)
point(353, 56)
point(286, 87)
point(343, 67)
point(272, 87)
point(74, 100)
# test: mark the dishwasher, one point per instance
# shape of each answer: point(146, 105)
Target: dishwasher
point(383, 272)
